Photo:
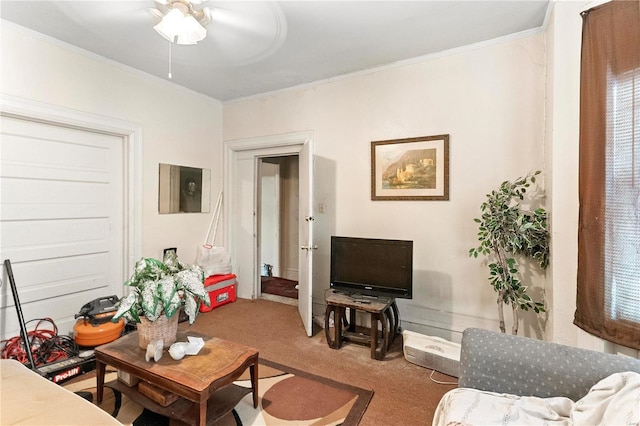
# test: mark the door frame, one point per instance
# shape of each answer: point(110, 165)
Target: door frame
point(131, 134)
point(258, 147)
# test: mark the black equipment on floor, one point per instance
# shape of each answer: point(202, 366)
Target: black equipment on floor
point(58, 371)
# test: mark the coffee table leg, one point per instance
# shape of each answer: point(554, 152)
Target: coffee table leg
point(253, 370)
point(100, 369)
point(202, 419)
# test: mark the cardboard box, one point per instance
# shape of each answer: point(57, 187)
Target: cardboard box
point(127, 378)
point(220, 297)
point(157, 394)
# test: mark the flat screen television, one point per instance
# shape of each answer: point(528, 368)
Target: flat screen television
point(372, 267)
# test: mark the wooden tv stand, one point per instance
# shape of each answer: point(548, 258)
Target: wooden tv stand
point(383, 311)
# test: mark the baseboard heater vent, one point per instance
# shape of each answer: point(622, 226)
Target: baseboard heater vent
point(431, 352)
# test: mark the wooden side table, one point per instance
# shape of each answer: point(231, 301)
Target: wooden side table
point(383, 311)
point(204, 382)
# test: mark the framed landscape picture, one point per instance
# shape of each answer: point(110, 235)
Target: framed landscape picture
point(410, 169)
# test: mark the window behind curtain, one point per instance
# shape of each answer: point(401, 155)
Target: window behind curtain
point(608, 298)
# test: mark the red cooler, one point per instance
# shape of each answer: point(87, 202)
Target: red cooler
point(222, 290)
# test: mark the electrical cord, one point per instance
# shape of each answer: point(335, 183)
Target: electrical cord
point(46, 345)
point(439, 382)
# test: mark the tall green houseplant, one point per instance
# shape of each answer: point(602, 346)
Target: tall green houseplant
point(507, 230)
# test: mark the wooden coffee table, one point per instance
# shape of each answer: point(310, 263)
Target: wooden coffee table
point(204, 382)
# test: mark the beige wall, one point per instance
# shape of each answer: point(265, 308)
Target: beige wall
point(488, 98)
point(178, 126)
point(509, 107)
point(561, 156)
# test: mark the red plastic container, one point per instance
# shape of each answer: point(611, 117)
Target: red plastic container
point(219, 280)
point(219, 297)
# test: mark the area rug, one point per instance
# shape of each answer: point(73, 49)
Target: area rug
point(279, 286)
point(286, 397)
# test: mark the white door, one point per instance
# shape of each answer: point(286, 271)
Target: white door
point(242, 243)
point(241, 159)
point(61, 218)
point(307, 246)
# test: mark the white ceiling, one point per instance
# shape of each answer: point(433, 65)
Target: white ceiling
point(258, 47)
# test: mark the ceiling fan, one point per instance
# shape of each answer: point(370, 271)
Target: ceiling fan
point(232, 32)
point(182, 21)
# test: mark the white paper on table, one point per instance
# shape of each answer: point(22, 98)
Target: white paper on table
point(194, 345)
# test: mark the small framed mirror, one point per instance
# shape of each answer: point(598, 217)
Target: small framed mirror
point(184, 189)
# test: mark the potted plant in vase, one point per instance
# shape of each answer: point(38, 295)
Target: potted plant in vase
point(158, 290)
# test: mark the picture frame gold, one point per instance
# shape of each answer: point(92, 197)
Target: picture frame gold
point(410, 169)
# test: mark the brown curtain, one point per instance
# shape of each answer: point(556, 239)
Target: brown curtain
point(610, 46)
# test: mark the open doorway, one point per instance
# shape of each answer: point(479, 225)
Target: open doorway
point(278, 228)
point(242, 161)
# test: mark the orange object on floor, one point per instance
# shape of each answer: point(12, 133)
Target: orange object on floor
point(87, 334)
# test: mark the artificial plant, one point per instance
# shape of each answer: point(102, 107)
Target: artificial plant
point(162, 288)
point(507, 230)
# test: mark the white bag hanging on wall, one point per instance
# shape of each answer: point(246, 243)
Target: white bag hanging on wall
point(213, 260)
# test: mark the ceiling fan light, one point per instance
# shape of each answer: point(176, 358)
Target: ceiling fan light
point(182, 24)
point(160, 29)
point(195, 31)
point(184, 39)
point(171, 24)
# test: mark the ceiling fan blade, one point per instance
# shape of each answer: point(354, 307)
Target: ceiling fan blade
point(265, 20)
point(156, 13)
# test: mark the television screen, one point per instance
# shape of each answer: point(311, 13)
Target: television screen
point(372, 267)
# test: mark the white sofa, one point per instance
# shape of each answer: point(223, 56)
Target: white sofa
point(27, 398)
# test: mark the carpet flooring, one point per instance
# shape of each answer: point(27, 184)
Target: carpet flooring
point(327, 402)
point(405, 394)
point(279, 287)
